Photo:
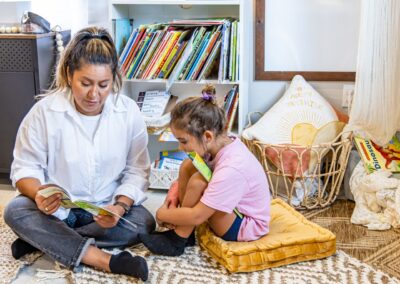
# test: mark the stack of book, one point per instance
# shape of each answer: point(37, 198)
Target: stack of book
point(170, 160)
point(183, 50)
point(231, 102)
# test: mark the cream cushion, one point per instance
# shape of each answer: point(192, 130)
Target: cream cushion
point(292, 238)
point(300, 104)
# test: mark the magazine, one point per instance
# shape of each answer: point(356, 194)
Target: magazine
point(377, 157)
point(67, 203)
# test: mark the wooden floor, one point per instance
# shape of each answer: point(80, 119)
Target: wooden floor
point(380, 249)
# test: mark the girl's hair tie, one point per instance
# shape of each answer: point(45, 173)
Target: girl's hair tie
point(207, 96)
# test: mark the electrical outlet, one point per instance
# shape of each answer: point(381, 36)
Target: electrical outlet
point(347, 96)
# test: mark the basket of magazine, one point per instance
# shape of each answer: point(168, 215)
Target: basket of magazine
point(162, 179)
point(307, 177)
point(165, 170)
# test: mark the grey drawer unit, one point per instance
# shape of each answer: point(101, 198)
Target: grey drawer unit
point(27, 64)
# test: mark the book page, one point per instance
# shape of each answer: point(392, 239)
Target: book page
point(154, 103)
point(65, 199)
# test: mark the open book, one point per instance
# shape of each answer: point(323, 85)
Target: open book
point(377, 157)
point(67, 203)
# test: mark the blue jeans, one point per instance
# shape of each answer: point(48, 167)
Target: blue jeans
point(66, 241)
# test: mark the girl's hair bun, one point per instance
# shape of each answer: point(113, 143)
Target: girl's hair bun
point(208, 93)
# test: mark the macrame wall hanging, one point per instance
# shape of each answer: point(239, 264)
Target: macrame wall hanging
point(375, 112)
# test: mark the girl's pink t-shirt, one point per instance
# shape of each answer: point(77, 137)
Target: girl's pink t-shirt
point(239, 181)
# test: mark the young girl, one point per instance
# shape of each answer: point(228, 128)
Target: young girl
point(238, 182)
point(92, 142)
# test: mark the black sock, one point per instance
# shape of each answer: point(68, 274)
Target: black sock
point(191, 240)
point(164, 243)
point(19, 248)
point(125, 263)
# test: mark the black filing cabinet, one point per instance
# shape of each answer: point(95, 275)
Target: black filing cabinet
point(26, 69)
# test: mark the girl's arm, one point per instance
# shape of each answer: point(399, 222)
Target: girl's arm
point(185, 216)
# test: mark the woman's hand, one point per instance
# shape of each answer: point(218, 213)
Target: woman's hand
point(50, 204)
point(106, 221)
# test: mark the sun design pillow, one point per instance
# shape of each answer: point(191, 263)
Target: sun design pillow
point(301, 117)
point(300, 104)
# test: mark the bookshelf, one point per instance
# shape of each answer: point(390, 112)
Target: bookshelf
point(157, 11)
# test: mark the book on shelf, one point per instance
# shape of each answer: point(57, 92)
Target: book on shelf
point(224, 55)
point(194, 48)
point(231, 102)
point(174, 154)
point(375, 157)
point(170, 160)
point(157, 56)
point(211, 62)
point(205, 54)
point(182, 50)
point(149, 53)
point(122, 29)
point(130, 54)
point(68, 203)
point(155, 103)
point(142, 49)
point(174, 56)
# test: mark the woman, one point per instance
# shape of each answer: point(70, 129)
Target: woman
point(87, 139)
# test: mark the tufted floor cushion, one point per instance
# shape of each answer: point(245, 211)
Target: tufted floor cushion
point(292, 238)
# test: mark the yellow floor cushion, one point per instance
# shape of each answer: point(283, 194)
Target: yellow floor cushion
point(292, 238)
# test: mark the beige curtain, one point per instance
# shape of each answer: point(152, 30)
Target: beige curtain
point(375, 111)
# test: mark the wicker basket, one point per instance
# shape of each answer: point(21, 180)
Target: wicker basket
point(162, 179)
point(313, 176)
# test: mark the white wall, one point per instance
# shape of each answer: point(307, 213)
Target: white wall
point(263, 94)
point(76, 14)
point(11, 12)
point(71, 14)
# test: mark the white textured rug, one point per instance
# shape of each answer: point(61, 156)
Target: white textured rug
point(196, 266)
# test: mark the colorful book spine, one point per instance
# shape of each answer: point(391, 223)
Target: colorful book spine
point(176, 48)
point(133, 50)
point(142, 55)
point(232, 113)
point(170, 45)
point(175, 59)
point(205, 72)
point(156, 56)
point(128, 45)
point(140, 49)
point(205, 55)
point(194, 59)
point(149, 55)
point(224, 56)
point(195, 47)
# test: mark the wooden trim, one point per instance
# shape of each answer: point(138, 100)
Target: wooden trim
point(259, 58)
point(27, 36)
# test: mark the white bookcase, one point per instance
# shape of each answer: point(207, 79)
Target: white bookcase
point(152, 11)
